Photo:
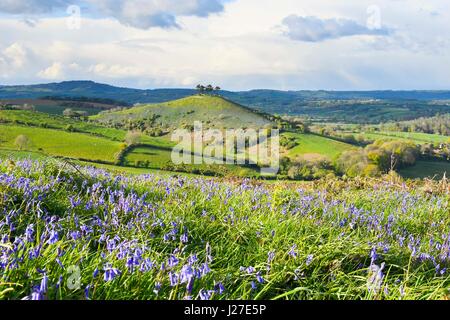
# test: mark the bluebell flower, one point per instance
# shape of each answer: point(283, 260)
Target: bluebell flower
point(172, 261)
point(259, 278)
point(270, 256)
point(206, 294)
point(173, 277)
point(309, 259)
point(29, 232)
point(53, 237)
point(219, 288)
point(186, 273)
point(111, 274)
point(86, 291)
point(204, 269)
point(292, 252)
point(44, 284)
point(184, 238)
point(157, 288)
point(59, 262)
point(37, 295)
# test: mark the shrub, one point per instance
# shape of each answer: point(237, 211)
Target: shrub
point(22, 142)
point(133, 138)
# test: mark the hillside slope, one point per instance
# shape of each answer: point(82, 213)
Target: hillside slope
point(344, 106)
point(212, 111)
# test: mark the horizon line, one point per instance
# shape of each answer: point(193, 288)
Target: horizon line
point(224, 90)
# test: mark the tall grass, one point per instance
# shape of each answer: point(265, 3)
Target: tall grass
point(152, 237)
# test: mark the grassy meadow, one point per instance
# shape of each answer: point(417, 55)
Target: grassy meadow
point(427, 169)
point(212, 111)
point(60, 143)
point(416, 137)
point(157, 237)
point(314, 145)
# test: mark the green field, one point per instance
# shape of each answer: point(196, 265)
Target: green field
point(427, 169)
point(40, 119)
point(310, 145)
point(61, 143)
point(156, 157)
point(160, 158)
point(57, 107)
point(417, 137)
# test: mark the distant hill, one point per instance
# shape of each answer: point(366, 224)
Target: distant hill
point(212, 111)
point(90, 89)
point(331, 105)
point(105, 91)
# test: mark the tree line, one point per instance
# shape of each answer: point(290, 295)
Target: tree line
point(201, 89)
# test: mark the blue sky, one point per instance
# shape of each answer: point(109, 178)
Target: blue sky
point(237, 44)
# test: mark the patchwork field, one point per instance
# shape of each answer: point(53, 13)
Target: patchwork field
point(310, 145)
point(416, 137)
point(61, 143)
point(57, 107)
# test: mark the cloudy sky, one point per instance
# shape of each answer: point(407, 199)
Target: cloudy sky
point(237, 44)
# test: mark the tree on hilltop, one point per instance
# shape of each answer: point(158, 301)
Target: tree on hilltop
point(207, 89)
point(200, 88)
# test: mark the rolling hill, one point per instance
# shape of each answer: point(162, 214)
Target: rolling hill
point(212, 111)
point(343, 106)
point(257, 96)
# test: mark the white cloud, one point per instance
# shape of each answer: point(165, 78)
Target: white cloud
point(314, 29)
point(31, 6)
point(53, 72)
point(143, 14)
point(16, 55)
point(241, 48)
point(115, 70)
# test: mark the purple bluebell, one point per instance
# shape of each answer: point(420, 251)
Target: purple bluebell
point(172, 261)
point(44, 284)
point(86, 291)
point(259, 278)
point(53, 238)
point(173, 277)
point(111, 274)
point(206, 294)
point(219, 288)
point(309, 259)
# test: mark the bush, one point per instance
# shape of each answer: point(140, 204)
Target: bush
point(379, 157)
point(22, 142)
point(133, 138)
point(70, 128)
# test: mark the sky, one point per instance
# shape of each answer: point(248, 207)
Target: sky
point(235, 44)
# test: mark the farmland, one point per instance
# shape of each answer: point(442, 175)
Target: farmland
point(427, 169)
point(309, 144)
point(416, 137)
point(60, 143)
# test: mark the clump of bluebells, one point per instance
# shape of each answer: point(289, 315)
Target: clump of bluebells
point(92, 234)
